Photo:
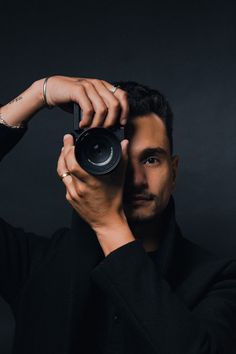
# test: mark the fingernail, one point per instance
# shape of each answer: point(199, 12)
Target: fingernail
point(65, 136)
point(123, 121)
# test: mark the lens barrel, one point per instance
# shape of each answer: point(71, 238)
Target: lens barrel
point(98, 150)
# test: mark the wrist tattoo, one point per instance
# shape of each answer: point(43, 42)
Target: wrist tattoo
point(16, 99)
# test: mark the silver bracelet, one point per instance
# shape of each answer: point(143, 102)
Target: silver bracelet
point(45, 93)
point(2, 121)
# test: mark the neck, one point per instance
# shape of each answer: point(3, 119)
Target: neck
point(149, 233)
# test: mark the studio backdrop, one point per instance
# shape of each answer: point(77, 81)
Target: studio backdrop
point(185, 49)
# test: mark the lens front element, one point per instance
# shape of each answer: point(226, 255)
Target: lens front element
point(98, 151)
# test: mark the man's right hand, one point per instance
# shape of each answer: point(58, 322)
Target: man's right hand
point(99, 106)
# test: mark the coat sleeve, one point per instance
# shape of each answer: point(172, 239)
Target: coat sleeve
point(9, 137)
point(20, 251)
point(158, 315)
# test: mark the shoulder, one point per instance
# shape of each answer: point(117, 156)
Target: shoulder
point(193, 264)
point(199, 255)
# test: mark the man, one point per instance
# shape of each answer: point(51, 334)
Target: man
point(122, 279)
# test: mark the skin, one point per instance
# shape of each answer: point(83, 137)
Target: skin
point(128, 203)
point(99, 105)
point(150, 178)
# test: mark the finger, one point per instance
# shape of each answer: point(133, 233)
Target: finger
point(73, 191)
point(122, 97)
point(113, 104)
point(99, 105)
point(72, 165)
point(79, 96)
point(72, 184)
point(68, 141)
point(62, 167)
point(124, 147)
point(124, 160)
point(72, 188)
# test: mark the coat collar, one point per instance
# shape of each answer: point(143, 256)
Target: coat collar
point(164, 255)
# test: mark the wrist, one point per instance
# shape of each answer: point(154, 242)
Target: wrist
point(114, 234)
point(23, 107)
point(116, 219)
point(37, 91)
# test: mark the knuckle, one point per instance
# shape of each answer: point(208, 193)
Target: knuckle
point(79, 87)
point(105, 83)
point(124, 95)
point(87, 84)
point(68, 197)
point(82, 191)
point(80, 80)
point(108, 125)
point(88, 111)
point(95, 81)
point(92, 183)
point(74, 196)
point(73, 167)
point(102, 110)
point(116, 105)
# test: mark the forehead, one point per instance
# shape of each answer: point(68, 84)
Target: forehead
point(147, 131)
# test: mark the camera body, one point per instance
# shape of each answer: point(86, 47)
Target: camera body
point(97, 150)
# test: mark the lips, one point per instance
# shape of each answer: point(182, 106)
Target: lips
point(135, 198)
point(140, 197)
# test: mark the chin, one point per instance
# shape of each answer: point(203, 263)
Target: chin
point(140, 214)
point(144, 213)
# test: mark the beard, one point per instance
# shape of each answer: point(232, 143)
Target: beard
point(143, 217)
point(144, 209)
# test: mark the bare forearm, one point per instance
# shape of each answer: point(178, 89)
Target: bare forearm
point(24, 106)
point(114, 235)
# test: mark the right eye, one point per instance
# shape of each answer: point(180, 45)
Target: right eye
point(152, 160)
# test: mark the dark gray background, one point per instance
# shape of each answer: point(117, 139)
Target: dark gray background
point(185, 49)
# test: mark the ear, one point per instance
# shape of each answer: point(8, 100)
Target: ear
point(175, 166)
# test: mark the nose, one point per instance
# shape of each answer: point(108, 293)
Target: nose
point(136, 176)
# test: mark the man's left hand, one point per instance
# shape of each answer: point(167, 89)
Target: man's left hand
point(98, 200)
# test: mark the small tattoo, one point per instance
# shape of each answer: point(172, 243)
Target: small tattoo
point(16, 99)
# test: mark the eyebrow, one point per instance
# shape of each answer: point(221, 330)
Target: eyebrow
point(153, 151)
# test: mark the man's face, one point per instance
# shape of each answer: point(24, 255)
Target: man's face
point(151, 171)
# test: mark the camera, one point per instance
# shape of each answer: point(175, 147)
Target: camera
point(97, 150)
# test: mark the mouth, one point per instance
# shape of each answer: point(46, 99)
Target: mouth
point(138, 199)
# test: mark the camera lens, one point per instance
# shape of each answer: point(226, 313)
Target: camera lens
point(98, 151)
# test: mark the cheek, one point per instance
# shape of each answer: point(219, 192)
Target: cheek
point(160, 181)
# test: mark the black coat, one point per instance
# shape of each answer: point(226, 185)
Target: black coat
point(68, 298)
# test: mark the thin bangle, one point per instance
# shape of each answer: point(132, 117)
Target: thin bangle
point(45, 93)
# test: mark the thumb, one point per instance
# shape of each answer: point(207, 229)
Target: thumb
point(68, 142)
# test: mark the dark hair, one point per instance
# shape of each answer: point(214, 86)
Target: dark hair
point(144, 100)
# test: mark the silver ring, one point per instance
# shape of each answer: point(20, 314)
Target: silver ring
point(114, 88)
point(65, 174)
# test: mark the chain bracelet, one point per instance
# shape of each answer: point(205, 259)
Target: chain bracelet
point(2, 121)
